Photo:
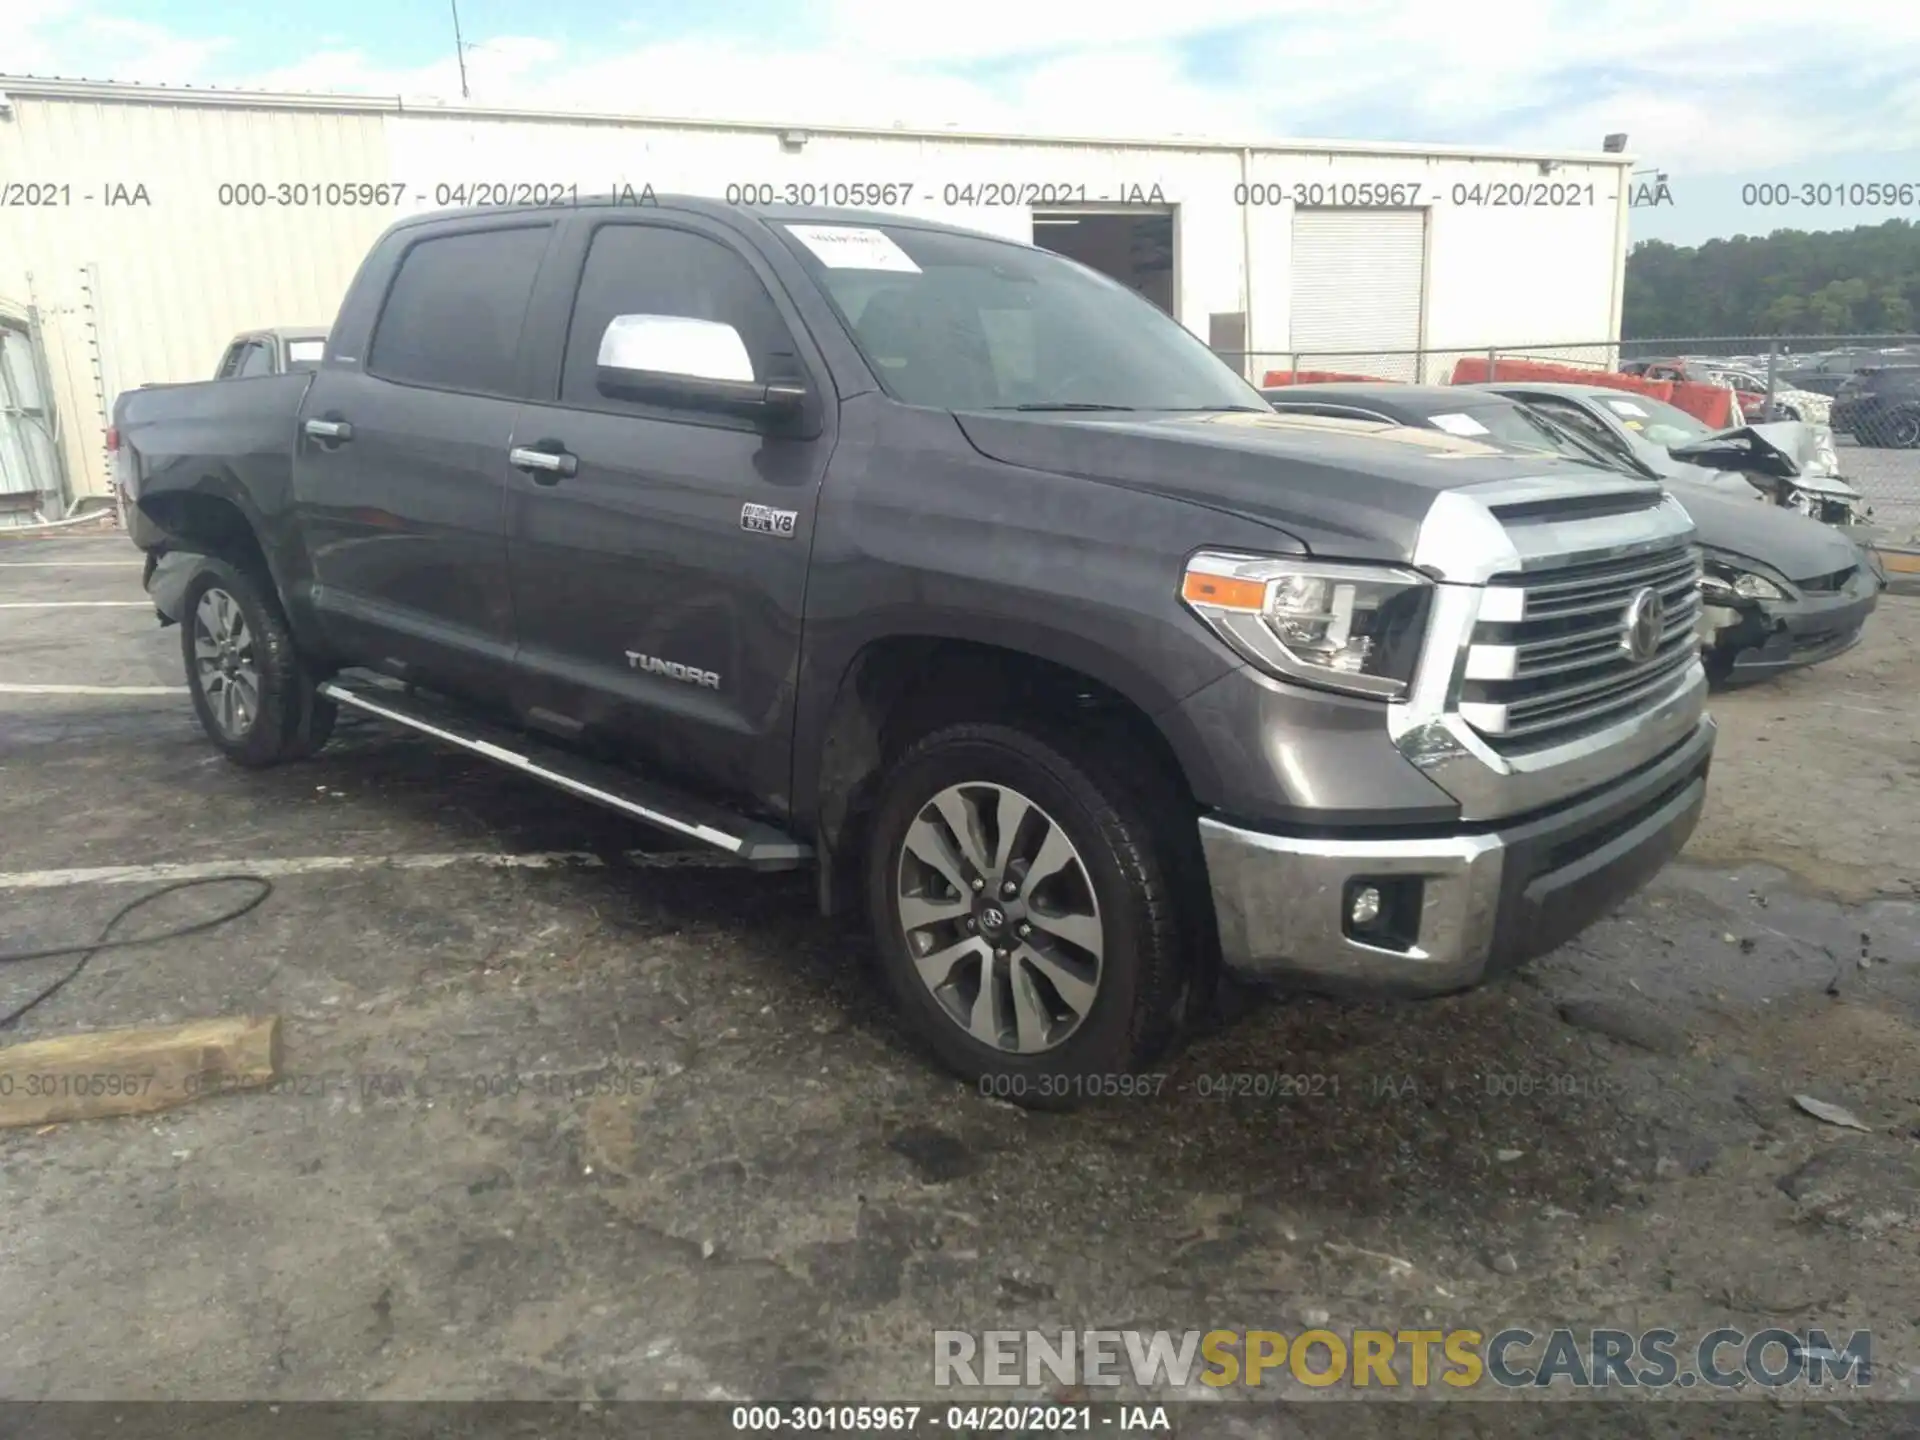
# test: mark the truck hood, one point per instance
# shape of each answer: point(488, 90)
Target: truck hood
point(1797, 547)
point(1351, 488)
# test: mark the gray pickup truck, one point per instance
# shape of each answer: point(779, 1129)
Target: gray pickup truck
point(962, 574)
point(272, 351)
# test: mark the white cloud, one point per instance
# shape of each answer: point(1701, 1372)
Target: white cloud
point(67, 37)
point(1702, 87)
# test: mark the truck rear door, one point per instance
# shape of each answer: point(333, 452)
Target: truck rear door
point(401, 463)
point(659, 555)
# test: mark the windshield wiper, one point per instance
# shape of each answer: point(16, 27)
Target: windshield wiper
point(1218, 409)
point(1554, 430)
point(1063, 405)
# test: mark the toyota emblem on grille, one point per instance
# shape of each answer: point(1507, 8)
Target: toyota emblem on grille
point(1643, 625)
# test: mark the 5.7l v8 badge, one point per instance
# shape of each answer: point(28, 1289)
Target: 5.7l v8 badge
point(765, 520)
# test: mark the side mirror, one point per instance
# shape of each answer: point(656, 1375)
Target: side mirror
point(696, 364)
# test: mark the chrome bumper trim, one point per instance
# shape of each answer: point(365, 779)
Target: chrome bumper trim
point(1489, 785)
point(1490, 899)
point(1278, 903)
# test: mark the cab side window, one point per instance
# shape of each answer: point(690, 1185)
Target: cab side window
point(256, 359)
point(454, 312)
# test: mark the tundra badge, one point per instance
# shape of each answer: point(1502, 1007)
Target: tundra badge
point(764, 520)
point(673, 670)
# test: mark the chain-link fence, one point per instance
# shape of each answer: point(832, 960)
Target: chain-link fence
point(1865, 387)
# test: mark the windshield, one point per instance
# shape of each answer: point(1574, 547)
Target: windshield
point(1654, 420)
point(960, 322)
point(1511, 425)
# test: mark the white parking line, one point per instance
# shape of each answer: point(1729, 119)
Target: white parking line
point(1858, 709)
point(76, 604)
point(69, 564)
point(320, 864)
point(6, 689)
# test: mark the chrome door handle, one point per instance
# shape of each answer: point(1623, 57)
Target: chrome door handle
point(334, 430)
point(543, 462)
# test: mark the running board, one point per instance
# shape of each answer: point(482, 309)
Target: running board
point(754, 844)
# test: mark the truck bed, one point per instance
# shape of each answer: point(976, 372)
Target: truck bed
point(210, 434)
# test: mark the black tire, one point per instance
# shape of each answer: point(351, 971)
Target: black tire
point(278, 718)
point(1142, 987)
point(1903, 430)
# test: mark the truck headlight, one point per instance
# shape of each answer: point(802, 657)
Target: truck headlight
point(1723, 580)
point(1353, 628)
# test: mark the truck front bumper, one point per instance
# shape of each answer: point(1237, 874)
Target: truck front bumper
point(1456, 908)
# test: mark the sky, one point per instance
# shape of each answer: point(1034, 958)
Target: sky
point(1720, 96)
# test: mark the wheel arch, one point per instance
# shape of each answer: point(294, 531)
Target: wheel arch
point(214, 517)
point(900, 687)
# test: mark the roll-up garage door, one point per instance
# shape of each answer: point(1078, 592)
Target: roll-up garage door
point(1357, 287)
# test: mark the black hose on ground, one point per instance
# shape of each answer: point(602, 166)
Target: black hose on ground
point(87, 949)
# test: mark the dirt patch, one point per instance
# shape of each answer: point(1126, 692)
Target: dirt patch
point(1810, 768)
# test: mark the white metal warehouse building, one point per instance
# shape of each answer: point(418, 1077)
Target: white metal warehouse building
point(140, 227)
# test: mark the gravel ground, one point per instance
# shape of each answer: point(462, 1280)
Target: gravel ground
point(641, 1130)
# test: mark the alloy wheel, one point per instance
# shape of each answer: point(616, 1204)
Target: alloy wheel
point(223, 657)
point(999, 917)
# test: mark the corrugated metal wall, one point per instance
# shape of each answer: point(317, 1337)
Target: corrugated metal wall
point(137, 289)
point(132, 292)
point(29, 464)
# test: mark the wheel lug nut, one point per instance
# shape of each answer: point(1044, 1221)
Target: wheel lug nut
point(970, 923)
point(1009, 889)
point(979, 884)
point(1025, 929)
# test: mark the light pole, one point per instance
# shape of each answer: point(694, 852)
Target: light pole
point(459, 47)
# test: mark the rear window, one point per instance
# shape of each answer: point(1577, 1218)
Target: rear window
point(453, 315)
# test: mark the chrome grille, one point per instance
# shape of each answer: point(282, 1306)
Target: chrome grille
point(1547, 664)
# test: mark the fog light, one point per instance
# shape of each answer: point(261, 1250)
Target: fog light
point(1383, 911)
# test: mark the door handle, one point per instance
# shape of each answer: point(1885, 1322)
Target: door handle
point(546, 466)
point(333, 432)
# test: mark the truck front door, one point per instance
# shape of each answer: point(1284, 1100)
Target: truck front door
point(658, 554)
point(400, 467)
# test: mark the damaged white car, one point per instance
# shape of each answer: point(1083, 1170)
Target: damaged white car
point(1788, 463)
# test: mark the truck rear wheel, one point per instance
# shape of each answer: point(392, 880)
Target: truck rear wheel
point(1025, 915)
point(253, 696)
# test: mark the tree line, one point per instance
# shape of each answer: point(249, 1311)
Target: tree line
point(1864, 281)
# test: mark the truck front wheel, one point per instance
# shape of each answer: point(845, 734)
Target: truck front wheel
point(253, 696)
point(1026, 918)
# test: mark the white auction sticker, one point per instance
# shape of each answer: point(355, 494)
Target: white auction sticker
point(852, 247)
point(1456, 424)
point(1624, 407)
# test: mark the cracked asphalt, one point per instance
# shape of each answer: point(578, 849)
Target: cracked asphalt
point(636, 1130)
